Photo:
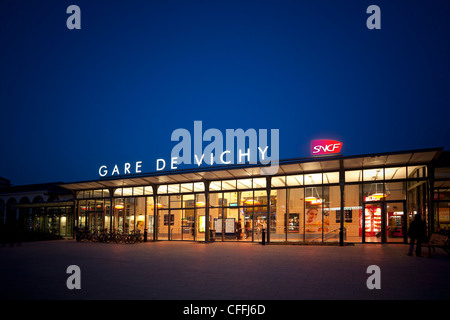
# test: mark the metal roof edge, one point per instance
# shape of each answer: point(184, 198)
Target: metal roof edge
point(246, 166)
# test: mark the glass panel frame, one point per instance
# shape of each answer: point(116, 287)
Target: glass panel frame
point(373, 174)
point(313, 179)
point(353, 176)
point(294, 180)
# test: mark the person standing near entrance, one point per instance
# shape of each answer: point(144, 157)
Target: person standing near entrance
point(238, 230)
point(417, 232)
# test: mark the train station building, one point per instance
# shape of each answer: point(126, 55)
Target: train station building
point(343, 199)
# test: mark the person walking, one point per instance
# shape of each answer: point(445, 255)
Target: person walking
point(417, 232)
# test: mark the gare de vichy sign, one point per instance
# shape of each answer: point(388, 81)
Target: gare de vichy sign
point(251, 147)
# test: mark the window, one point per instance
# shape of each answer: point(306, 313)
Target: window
point(352, 213)
point(277, 215)
point(199, 187)
point(215, 186)
point(295, 213)
point(294, 180)
point(173, 188)
point(279, 181)
point(395, 173)
point(228, 184)
point(331, 177)
point(421, 171)
point(353, 176)
point(244, 183)
point(259, 183)
point(186, 187)
point(373, 174)
point(313, 179)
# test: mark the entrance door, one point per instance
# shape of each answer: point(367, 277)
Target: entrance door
point(384, 221)
point(255, 220)
point(259, 223)
point(395, 221)
point(372, 224)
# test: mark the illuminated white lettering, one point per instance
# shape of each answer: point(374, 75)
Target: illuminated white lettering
point(199, 162)
point(103, 171)
point(158, 161)
point(173, 163)
point(138, 166)
point(127, 168)
point(243, 154)
point(263, 152)
point(221, 157)
point(116, 170)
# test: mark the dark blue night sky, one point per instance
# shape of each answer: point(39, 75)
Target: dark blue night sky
point(113, 92)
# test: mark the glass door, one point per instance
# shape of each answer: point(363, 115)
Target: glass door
point(384, 222)
point(259, 223)
point(372, 222)
point(395, 222)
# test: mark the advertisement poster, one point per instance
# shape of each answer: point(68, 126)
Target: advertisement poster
point(313, 222)
point(218, 225)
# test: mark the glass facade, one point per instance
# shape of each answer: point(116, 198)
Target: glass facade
point(354, 200)
point(441, 199)
point(377, 206)
point(38, 217)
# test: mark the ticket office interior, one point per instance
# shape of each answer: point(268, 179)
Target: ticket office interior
point(378, 205)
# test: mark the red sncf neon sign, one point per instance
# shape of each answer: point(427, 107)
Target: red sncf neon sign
point(321, 147)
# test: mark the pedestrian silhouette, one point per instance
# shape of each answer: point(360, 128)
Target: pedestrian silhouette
point(417, 232)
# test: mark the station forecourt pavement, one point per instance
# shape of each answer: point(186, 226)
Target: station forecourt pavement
point(220, 271)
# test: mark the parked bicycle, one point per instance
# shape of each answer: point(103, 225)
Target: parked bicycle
point(93, 236)
point(117, 236)
point(82, 234)
point(137, 236)
point(104, 236)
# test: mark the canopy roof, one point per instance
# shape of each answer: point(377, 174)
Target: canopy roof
point(286, 167)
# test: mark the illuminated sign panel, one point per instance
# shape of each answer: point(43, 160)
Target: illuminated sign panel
point(325, 147)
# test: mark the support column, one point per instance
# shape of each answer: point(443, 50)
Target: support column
point(145, 218)
point(156, 213)
point(269, 214)
point(74, 215)
point(431, 227)
point(207, 235)
point(342, 188)
point(111, 209)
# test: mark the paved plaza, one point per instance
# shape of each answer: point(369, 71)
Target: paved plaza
point(219, 271)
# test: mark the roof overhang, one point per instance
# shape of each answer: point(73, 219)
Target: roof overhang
point(285, 167)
